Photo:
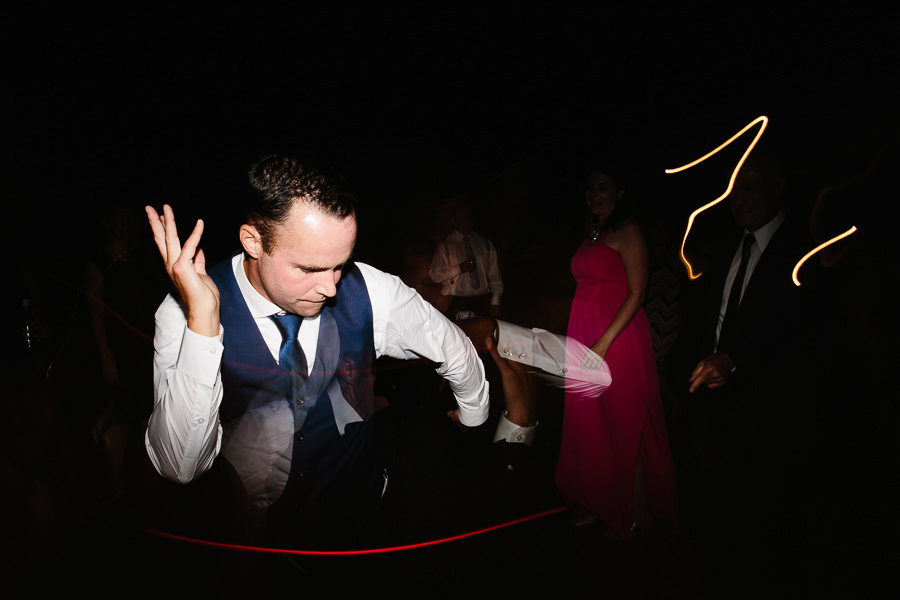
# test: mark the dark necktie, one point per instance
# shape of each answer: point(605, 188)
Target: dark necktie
point(734, 297)
point(473, 274)
point(290, 356)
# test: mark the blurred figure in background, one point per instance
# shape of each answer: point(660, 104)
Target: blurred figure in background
point(122, 295)
point(465, 264)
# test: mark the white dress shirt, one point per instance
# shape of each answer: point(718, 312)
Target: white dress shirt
point(762, 237)
point(184, 435)
point(445, 267)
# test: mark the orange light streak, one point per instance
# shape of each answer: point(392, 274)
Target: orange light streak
point(761, 119)
point(850, 231)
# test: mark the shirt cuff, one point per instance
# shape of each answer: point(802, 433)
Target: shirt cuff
point(475, 413)
point(201, 356)
point(514, 434)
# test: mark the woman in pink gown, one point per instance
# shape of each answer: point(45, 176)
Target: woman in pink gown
point(615, 465)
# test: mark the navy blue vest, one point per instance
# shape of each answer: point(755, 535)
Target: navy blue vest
point(336, 478)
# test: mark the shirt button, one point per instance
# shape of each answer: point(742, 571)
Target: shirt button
point(565, 370)
point(521, 355)
point(519, 437)
point(506, 349)
point(211, 350)
point(201, 420)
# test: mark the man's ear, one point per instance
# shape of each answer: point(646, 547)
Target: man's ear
point(251, 240)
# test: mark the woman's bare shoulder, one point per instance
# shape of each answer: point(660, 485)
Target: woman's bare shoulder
point(626, 234)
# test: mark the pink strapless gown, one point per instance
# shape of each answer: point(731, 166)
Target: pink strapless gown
point(602, 436)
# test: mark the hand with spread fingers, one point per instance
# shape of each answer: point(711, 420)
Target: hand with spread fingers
point(186, 267)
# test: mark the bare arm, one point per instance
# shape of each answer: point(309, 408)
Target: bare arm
point(633, 250)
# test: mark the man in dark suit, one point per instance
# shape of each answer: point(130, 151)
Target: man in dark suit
point(748, 398)
point(757, 311)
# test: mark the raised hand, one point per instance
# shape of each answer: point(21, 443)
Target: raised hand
point(186, 267)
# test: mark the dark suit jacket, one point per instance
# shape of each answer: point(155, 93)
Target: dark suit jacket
point(771, 319)
point(756, 416)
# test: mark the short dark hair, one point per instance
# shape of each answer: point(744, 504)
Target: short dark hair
point(278, 182)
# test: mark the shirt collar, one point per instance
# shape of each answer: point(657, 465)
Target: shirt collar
point(764, 234)
point(260, 308)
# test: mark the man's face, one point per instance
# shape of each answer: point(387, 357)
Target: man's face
point(756, 197)
point(462, 220)
point(304, 268)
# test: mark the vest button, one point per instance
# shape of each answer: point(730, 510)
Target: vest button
point(298, 473)
point(299, 435)
point(301, 400)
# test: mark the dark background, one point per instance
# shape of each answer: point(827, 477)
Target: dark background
point(172, 106)
point(153, 106)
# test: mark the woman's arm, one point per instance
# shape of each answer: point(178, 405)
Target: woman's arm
point(630, 244)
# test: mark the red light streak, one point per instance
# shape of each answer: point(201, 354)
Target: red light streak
point(761, 119)
point(225, 546)
point(850, 231)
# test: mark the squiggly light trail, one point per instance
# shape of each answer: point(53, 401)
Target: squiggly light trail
point(816, 249)
point(761, 119)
